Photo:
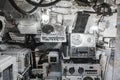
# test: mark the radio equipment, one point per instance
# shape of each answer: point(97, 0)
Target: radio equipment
point(82, 40)
point(81, 71)
point(53, 33)
point(29, 24)
point(82, 45)
point(53, 57)
point(8, 68)
point(17, 37)
point(22, 55)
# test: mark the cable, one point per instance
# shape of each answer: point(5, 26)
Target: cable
point(82, 3)
point(43, 5)
point(12, 2)
point(31, 43)
point(86, 2)
point(103, 9)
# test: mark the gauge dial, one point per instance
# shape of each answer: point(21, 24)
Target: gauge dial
point(89, 40)
point(76, 40)
point(88, 78)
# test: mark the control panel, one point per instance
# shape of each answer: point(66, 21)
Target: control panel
point(53, 33)
point(81, 71)
point(82, 45)
point(82, 40)
point(82, 52)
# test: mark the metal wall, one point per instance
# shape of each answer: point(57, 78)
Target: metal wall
point(117, 54)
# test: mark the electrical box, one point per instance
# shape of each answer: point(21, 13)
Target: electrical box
point(22, 55)
point(8, 68)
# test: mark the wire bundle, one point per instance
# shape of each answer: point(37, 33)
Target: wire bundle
point(40, 4)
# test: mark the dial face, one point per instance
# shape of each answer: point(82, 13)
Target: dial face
point(89, 40)
point(76, 40)
point(87, 78)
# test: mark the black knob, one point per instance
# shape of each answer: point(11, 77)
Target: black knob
point(47, 29)
point(71, 70)
point(88, 78)
point(80, 70)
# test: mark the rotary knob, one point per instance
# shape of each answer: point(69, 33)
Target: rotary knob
point(81, 70)
point(47, 29)
point(71, 70)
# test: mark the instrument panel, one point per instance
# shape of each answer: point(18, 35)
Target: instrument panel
point(53, 33)
point(82, 40)
point(81, 71)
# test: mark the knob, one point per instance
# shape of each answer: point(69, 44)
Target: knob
point(80, 70)
point(47, 29)
point(71, 70)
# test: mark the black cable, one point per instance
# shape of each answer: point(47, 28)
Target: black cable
point(43, 5)
point(30, 43)
point(103, 9)
point(12, 2)
point(86, 2)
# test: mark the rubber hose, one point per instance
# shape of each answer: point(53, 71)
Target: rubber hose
point(43, 5)
point(12, 2)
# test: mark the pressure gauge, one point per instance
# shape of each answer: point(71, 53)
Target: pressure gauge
point(76, 40)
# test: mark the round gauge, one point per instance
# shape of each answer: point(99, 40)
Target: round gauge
point(76, 39)
point(88, 78)
point(89, 40)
